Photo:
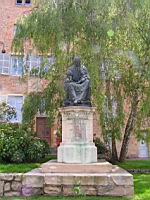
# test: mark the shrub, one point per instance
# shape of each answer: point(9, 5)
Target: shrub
point(101, 149)
point(7, 112)
point(18, 157)
point(37, 150)
point(19, 145)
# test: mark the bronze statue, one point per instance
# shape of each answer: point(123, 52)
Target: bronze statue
point(77, 85)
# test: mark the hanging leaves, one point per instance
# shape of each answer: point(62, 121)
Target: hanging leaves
point(113, 39)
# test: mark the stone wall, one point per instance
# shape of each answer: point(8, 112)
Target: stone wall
point(18, 184)
point(10, 184)
point(119, 183)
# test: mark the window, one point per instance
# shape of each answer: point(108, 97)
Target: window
point(46, 63)
point(110, 112)
point(33, 64)
point(11, 65)
point(16, 65)
point(23, 2)
point(16, 102)
point(19, 2)
point(4, 63)
point(27, 1)
point(38, 64)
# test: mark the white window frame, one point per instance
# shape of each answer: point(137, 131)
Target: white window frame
point(38, 60)
point(30, 61)
point(3, 60)
point(6, 101)
point(11, 65)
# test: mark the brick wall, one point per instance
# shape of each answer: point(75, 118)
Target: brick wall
point(9, 14)
point(12, 85)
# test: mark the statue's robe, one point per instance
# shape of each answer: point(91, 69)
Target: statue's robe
point(77, 86)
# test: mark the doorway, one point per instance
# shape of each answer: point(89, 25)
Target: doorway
point(42, 129)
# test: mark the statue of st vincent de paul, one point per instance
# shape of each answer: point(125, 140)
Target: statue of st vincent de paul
point(77, 85)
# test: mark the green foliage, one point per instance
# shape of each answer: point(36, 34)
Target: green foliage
point(30, 108)
point(113, 34)
point(77, 189)
point(17, 145)
point(7, 112)
point(101, 149)
point(46, 102)
point(37, 149)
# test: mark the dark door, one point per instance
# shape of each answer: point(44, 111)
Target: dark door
point(42, 129)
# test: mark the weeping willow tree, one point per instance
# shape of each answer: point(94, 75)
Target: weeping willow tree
point(113, 39)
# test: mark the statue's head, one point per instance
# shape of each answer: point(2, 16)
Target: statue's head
point(77, 61)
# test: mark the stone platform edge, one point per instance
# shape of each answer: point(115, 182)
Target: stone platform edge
point(53, 166)
point(53, 184)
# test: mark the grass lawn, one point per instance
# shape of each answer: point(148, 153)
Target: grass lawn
point(142, 187)
point(22, 168)
point(25, 167)
point(18, 168)
point(142, 192)
point(135, 164)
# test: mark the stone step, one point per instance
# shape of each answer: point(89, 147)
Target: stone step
point(117, 183)
point(55, 167)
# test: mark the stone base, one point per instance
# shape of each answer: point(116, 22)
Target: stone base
point(55, 167)
point(71, 181)
point(89, 184)
point(77, 153)
point(96, 179)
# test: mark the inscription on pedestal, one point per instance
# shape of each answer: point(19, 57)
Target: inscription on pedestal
point(79, 130)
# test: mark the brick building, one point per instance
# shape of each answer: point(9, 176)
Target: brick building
point(13, 89)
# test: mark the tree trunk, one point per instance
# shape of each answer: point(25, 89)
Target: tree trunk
point(114, 158)
point(114, 155)
point(129, 127)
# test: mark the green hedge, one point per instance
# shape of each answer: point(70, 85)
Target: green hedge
point(18, 145)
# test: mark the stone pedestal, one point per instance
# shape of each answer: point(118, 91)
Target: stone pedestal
point(95, 179)
point(77, 136)
point(77, 172)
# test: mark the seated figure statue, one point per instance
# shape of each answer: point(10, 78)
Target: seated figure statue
point(77, 85)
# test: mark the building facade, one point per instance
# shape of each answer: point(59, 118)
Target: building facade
point(13, 88)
